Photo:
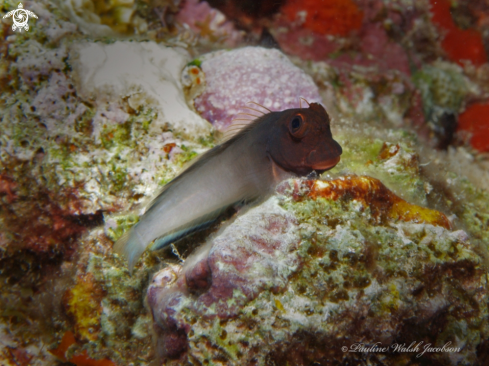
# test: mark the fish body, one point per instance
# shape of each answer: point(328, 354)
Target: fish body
point(248, 166)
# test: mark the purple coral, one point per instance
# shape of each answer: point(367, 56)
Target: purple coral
point(301, 286)
point(251, 74)
point(255, 253)
point(208, 22)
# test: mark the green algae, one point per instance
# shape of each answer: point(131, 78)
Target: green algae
point(442, 85)
point(444, 89)
point(124, 322)
point(472, 209)
point(195, 62)
point(122, 224)
point(363, 155)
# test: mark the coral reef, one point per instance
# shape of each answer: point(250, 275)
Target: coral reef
point(106, 18)
point(442, 103)
point(371, 193)
point(83, 304)
point(334, 17)
point(251, 74)
point(99, 109)
point(259, 292)
point(412, 38)
point(210, 24)
point(80, 359)
point(459, 44)
point(72, 151)
point(223, 276)
point(122, 17)
point(344, 32)
point(474, 120)
point(146, 84)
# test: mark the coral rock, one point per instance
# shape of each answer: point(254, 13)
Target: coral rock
point(83, 305)
point(253, 254)
point(81, 359)
point(122, 68)
point(209, 23)
point(310, 271)
point(250, 74)
point(382, 203)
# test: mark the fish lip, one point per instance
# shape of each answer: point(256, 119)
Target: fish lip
point(328, 164)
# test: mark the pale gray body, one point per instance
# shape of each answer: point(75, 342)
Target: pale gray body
point(239, 170)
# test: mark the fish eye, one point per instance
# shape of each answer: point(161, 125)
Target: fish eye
point(296, 123)
point(297, 126)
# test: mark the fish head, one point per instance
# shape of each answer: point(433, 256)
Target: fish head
point(301, 141)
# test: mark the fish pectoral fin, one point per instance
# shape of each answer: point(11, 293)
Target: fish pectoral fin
point(197, 225)
point(170, 238)
point(132, 245)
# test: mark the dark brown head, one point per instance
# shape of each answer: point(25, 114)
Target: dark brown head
point(301, 141)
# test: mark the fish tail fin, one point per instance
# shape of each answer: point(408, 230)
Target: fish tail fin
point(131, 246)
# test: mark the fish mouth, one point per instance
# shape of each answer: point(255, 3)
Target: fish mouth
point(326, 165)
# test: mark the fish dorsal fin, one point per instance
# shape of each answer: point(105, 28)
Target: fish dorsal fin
point(232, 131)
point(245, 119)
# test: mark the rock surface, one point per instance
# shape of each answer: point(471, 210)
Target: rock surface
point(251, 74)
point(389, 247)
point(281, 285)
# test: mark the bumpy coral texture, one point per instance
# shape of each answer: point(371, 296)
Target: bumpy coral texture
point(382, 202)
point(251, 74)
point(314, 269)
point(360, 263)
point(209, 23)
point(256, 253)
point(79, 360)
point(346, 33)
point(64, 159)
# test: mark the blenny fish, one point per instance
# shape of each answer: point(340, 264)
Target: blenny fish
point(246, 167)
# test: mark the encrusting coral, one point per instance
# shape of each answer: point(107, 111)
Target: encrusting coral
point(251, 74)
point(335, 17)
point(99, 109)
point(333, 261)
point(383, 204)
point(475, 121)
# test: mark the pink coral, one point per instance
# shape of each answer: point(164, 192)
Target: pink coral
point(251, 74)
point(255, 253)
point(209, 23)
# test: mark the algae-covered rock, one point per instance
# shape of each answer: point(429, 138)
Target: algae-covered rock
point(256, 253)
point(321, 266)
point(388, 249)
point(75, 146)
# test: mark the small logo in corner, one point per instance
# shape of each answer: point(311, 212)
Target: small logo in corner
point(20, 16)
